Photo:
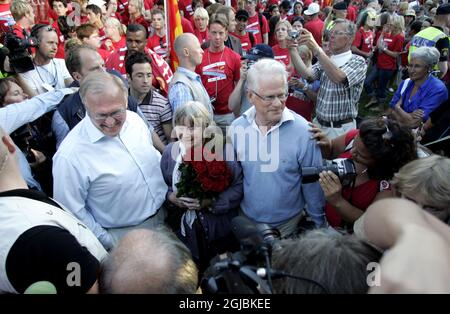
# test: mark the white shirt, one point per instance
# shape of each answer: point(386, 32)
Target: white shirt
point(109, 182)
point(53, 74)
point(15, 115)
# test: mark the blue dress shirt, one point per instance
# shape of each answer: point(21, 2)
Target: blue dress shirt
point(271, 163)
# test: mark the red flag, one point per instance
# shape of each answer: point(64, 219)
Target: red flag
point(174, 28)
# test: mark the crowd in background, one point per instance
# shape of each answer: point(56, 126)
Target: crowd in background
point(97, 123)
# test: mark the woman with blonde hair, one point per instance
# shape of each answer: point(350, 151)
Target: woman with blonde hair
point(389, 46)
point(205, 222)
point(304, 94)
point(201, 20)
point(115, 35)
point(281, 50)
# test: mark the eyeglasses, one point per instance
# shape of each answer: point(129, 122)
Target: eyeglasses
point(116, 115)
point(338, 33)
point(270, 99)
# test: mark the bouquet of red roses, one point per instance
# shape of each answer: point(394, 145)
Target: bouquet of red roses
point(202, 175)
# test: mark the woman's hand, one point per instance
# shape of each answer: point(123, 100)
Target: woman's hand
point(323, 141)
point(184, 202)
point(331, 186)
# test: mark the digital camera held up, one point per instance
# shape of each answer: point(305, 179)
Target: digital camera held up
point(19, 57)
point(294, 34)
point(344, 168)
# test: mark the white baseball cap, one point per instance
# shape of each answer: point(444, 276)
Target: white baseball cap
point(98, 3)
point(313, 8)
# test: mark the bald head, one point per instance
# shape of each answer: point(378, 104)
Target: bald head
point(149, 261)
point(188, 50)
point(183, 41)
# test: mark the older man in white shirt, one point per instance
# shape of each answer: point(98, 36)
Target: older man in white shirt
point(106, 170)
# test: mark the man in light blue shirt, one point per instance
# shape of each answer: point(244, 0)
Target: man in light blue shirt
point(273, 144)
point(106, 171)
point(186, 85)
point(13, 116)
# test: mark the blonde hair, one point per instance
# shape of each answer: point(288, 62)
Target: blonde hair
point(428, 177)
point(196, 114)
point(139, 5)
point(201, 13)
point(19, 8)
point(285, 23)
point(111, 21)
point(398, 23)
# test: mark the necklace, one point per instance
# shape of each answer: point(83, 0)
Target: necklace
point(54, 76)
point(209, 62)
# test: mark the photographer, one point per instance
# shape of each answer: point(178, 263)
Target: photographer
point(238, 101)
point(16, 110)
point(49, 73)
point(341, 77)
point(378, 149)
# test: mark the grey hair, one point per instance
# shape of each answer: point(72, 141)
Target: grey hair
point(149, 261)
point(426, 177)
point(99, 82)
point(350, 26)
point(429, 55)
point(264, 69)
point(336, 261)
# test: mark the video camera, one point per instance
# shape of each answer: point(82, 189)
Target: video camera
point(19, 57)
point(342, 167)
point(240, 272)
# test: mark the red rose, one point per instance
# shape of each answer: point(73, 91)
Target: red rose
point(217, 168)
point(199, 167)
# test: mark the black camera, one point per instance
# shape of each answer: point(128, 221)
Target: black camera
point(19, 57)
point(343, 168)
point(236, 273)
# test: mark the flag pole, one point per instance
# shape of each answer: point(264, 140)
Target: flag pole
point(166, 13)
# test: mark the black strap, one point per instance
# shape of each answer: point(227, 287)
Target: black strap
point(252, 38)
point(31, 194)
point(260, 18)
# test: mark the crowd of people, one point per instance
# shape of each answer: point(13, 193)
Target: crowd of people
point(325, 123)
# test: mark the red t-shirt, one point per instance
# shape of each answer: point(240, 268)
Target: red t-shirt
point(253, 25)
point(116, 45)
point(245, 41)
point(202, 36)
point(158, 45)
point(219, 72)
point(104, 53)
point(352, 13)
point(186, 25)
point(281, 54)
point(6, 17)
point(60, 52)
point(315, 27)
point(393, 43)
point(363, 40)
point(361, 196)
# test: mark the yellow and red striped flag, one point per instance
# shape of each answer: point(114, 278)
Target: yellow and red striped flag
point(174, 28)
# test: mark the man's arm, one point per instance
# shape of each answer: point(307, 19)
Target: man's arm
point(418, 260)
point(312, 192)
point(59, 128)
point(70, 188)
point(235, 99)
point(167, 128)
point(14, 116)
point(331, 70)
point(179, 94)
